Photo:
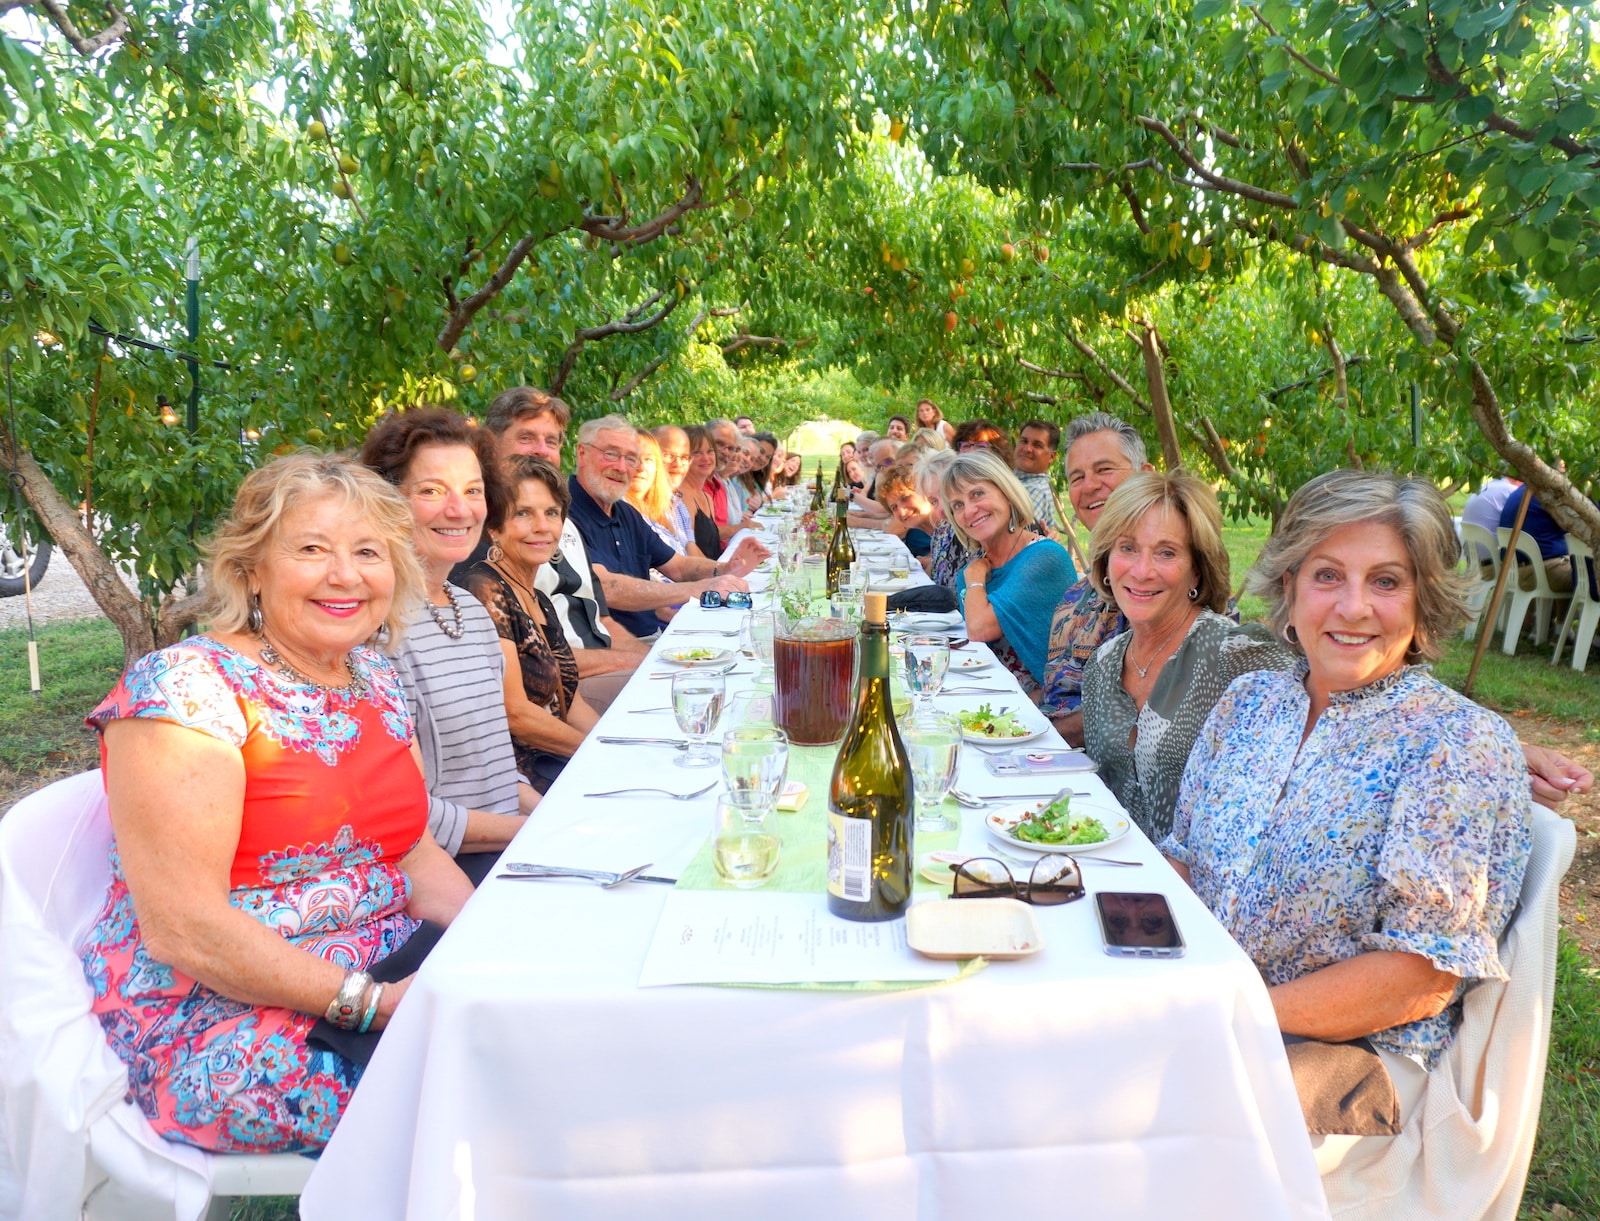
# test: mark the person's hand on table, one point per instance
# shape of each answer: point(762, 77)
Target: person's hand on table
point(527, 797)
point(746, 556)
point(1554, 777)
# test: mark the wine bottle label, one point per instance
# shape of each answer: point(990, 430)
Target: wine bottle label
point(849, 857)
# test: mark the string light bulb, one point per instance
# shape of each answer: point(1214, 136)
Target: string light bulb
point(251, 434)
point(169, 417)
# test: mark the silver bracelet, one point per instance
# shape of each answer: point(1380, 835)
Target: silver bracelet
point(972, 586)
point(344, 1011)
point(373, 994)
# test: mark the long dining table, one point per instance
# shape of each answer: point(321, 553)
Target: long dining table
point(528, 1074)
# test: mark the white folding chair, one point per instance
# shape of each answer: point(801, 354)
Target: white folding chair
point(1463, 1154)
point(1478, 550)
point(72, 1147)
point(1541, 597)
point(1584, 611)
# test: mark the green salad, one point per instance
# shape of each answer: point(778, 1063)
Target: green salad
point(986, 722)
point(1056, 824)
point(695, 654)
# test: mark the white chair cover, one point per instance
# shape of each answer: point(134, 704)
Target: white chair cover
point(1464, 1154)
point(72, 1145)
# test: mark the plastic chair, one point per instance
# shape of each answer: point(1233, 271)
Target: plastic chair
point(1463, 1154)
point(71, 1145)
point(1478, 548)
point(1517, 600)
point(1584, 610)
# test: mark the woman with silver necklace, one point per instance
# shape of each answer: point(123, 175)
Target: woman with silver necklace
point(1157, 553)
point(450, 661)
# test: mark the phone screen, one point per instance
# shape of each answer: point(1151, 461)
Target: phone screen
point(1137, 925)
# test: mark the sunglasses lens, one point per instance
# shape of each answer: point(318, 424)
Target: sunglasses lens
point(984, 878)
point(1055, 879)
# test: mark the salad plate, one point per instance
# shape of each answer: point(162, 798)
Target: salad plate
point(985, 723)
point(695, 655)
point(967, 665)
point(1002, 825)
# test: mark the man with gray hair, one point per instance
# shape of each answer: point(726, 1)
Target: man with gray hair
point(1101, 451)
point(621, 545)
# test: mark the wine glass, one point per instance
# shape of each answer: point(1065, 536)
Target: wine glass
point(847, 602)
point(697, 699)
point(744, 852)
point(755, 763)
point(933, 744)
point(755, 637)
point(927, 660)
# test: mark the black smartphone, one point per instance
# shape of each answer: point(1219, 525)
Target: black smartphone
point(1137, 925)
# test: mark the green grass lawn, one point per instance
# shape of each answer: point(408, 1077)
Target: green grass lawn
point(44, 735)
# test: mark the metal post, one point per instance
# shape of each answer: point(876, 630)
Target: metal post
point(1416, 416)
point(192, 295)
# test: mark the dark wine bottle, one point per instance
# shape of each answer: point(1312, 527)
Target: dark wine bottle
point(819, 498)
point(870, 799)
point(841, 551)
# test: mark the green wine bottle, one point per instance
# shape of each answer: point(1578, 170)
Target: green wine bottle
point(870, 799)
point(819, 498)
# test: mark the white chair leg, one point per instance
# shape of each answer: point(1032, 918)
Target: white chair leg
point(1586, 628)
point(1561, 636)
point(1516, 612)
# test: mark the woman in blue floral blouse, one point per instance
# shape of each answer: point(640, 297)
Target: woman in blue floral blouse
point(1358, 827)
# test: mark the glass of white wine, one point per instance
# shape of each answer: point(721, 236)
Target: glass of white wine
point(933, 744)
point(745, 853)
point(927, 660)
point(755, 763)
point(697, 699)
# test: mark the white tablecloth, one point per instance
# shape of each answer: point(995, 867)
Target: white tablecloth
point(526, 1074)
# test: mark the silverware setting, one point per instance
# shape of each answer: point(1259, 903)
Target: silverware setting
point(663, 792)
point(701, 631)
point(636, 711)
point(727, 669)
point(1066, 850)
point(975, 691)
point(680, 743)
point(521, 871)
point(978, 801)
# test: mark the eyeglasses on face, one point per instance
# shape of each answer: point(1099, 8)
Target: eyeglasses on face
point(1054, 879)
point(613, 456)
point(967, 446)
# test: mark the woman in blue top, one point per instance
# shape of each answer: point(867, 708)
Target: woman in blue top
point(1010, 589)
point(1361, 829)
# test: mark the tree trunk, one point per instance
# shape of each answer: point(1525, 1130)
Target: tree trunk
point(60, 519)
point(1160, 404)
point(1341, 391)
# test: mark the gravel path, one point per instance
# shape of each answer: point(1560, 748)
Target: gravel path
point(60, 595)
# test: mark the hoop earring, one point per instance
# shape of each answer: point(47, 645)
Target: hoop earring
point(495, 554)
point(1012, 527)
point(255, 620)
point(1290, 635)
point(1194, 592)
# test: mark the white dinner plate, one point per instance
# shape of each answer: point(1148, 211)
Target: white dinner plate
point(1033, 733)
point(691, 655)
point(1116, 824)
point(969, 665)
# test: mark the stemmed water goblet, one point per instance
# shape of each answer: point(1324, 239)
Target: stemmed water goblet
point(927, 660)
point(697, 699)
point(933, 744)
point(755, 763)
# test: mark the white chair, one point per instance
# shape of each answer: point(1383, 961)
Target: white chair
point(1464, 1152)
point(1478, 548)
point(1584, 611)
point(1541, 597)
point(72, 1147)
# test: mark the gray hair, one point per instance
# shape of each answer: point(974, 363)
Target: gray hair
point(1103, 421)
point(983, 466)
point(1416, 511)
point(719, 423)
point(866, 440)
point(590, 429)
point(930, 468)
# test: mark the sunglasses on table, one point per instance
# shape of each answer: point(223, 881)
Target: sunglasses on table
point(734, 600)
point(1053, 880)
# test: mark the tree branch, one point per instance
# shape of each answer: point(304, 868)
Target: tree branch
point(1116, 379)
point(1497, 121)
point(462, 313)
point(631, 323)
point(1295, 55)
point(1215, 181)
point(1126, 187)
point(633, 383)
point(57, 14)
point(616, 228)
point(737, 342)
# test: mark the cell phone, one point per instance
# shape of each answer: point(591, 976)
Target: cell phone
point(1135, 925)
point(1046, 762)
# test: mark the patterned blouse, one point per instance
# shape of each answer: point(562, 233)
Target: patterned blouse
point(947, 555)
point(332, 803)
point(1083, 621)
point(549, 670)
point(1402, 823)
point(1145, 776)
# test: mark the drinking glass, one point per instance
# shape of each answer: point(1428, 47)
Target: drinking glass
point(755, 637)
point(755, 763)
point(933, 744)
point(755, 706)
point(847, 602)
point(744, 852)
point(927, 660)
point(697, 699)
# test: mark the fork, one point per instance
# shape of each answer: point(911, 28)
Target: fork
point(680, 743)
point(664, 792)
point(525, 871)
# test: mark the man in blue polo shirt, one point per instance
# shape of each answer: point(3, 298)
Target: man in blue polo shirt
point(621, 545)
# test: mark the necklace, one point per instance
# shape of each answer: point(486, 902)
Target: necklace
point(454, 627)
point(354, 687)
point(1145, 669)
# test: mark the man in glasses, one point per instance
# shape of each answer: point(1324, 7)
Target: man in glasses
point(1102, 451)
point(622, 546)
point(528, 420)
point(881, 456)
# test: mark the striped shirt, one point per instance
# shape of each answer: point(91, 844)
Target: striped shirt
point(457, 701)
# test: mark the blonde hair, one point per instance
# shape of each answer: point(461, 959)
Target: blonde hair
point(235, 551)
point(1190, 498)
point(1414, 508)
point(983, 466)
point(656, 499)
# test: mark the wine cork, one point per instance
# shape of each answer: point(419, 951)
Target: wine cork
point(877, 608)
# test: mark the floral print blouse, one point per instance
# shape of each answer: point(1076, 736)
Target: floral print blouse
point(1403, 822)
point(1083, 621)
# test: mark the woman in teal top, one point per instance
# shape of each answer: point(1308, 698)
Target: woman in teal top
point(1010, 589)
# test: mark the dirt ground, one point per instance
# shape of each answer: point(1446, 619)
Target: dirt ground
point(1580, 892)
